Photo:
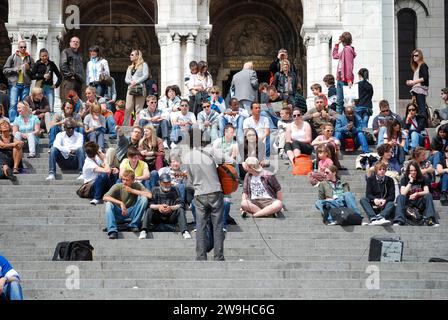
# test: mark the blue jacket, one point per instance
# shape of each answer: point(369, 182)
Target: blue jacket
point(342, 123)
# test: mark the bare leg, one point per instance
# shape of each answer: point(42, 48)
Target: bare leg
point(273, 208)
point(17, 155)
point(249, 207)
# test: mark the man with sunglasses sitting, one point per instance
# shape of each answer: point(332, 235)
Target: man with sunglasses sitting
point(379, 123)
point(67, 150)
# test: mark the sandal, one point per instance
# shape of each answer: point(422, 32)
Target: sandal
point(16, 171)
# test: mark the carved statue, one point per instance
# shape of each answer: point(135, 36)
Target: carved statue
point(101, 42)
point(117, 48)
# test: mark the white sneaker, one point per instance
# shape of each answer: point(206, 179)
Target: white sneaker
point(50, 177)
point(142, 235)
point(81, 177)
point(186, 235)
point(382, 222)
point(365, 224)
point(95, 202)
point(165, 144)
point(333, 223)
point(173, 145)
point(224, 229)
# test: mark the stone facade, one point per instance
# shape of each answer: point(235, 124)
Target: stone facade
point(171, 33)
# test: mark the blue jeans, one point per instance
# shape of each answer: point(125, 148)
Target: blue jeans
point(110, 126)
point(360, 139)
point(380, 138)
point(364, 113)
point(153, 180)
point(444, 182)
point(161, 127)
point(17, 93)
point(74, 161)
point(102, 184)
point(426, 204)
point(177, 133)
point(181, 189)
point(340, 93)
point(347, 199)
point(273, 118)
point(12, 291)
point(49, 93)
point(97, 136)
point(134, 214)
point(416, 139)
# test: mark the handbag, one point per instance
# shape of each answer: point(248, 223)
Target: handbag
point(413, 214)
point(105, 79)
point(136, 90)
point(85, 189)
point(426, 141)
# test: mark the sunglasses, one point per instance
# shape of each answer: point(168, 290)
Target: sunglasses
point(69, 128)
point(296, 115)
point(412, 109)
point(206, 107)
point(150, 101)
point(387, 110)
point(22, 47)
point(329, 130)
point(214, 92)
point(415, 55)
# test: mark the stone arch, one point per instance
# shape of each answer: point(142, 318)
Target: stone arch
point(417, 5)
point(127, 25)
point(260, 28)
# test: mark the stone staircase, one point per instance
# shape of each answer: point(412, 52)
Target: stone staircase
point(292, 257)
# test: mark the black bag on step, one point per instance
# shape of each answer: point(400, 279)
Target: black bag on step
point(73, 251)
point(345, 216)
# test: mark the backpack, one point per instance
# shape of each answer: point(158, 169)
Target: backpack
point(303, 165)
point(345, 216)
point(73, 251)
point(228, 177)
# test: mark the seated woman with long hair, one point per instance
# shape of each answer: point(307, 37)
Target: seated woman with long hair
point(327, 139)
point(397, 139)
point(151, 148)
point(414, 192)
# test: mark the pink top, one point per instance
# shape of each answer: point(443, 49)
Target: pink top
point(346, 63)
point(323, 164)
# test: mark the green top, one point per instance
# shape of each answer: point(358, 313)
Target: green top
point(129, 199)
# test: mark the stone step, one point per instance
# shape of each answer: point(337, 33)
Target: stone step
point(244, 293)
point(120, 282)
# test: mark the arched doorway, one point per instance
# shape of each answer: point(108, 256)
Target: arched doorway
point(260, 28)
point(117, 28)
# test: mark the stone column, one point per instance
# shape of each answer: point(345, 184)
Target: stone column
point(190, 52)
point(163, 42)
point(312, 52)
point(41, 40)
point(325, 52)
point(175, 68)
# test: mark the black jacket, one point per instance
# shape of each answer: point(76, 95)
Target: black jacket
point(365, 90)
point(40, 69)
point(420, 123)
point(376, 190)
point(71, 65)
point(424, 73)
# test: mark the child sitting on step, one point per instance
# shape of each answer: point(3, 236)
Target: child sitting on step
point(323, 161)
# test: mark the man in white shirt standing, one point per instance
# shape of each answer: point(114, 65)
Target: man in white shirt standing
point(67, 150)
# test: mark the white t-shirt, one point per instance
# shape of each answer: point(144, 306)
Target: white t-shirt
point(260, 127)
point(257, 189)
point(88, 169)
point(178, 116)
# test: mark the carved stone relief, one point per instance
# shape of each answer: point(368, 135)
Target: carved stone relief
point(249, 38)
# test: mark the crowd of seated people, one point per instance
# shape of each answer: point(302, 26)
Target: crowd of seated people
point(139, 184)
